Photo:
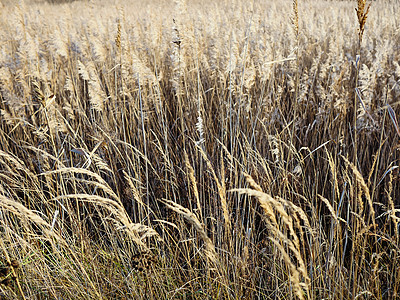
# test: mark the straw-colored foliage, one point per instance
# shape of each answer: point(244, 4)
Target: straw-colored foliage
point(162, 149)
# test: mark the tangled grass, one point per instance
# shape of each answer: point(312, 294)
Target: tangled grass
point(193, 150)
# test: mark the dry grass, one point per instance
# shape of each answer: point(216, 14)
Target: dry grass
point(199, 150)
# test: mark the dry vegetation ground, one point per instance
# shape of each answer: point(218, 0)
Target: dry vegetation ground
point(199, 150)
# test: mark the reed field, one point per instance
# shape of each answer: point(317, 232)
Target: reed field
point(199, 149)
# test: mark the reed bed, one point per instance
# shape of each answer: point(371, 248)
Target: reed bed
point(199, 150)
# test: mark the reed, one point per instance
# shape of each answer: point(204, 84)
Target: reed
point(199, 149)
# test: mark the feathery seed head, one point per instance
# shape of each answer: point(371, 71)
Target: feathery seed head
point(362, 17)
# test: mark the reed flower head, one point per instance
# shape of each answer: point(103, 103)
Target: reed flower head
point(362, 16)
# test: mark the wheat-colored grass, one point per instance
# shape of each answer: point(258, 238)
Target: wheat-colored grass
point(199, 149)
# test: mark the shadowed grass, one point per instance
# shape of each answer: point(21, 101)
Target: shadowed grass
point(200, 150)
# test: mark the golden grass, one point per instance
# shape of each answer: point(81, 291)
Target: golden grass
point(202, 149)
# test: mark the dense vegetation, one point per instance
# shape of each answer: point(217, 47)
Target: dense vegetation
point(199, 150)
